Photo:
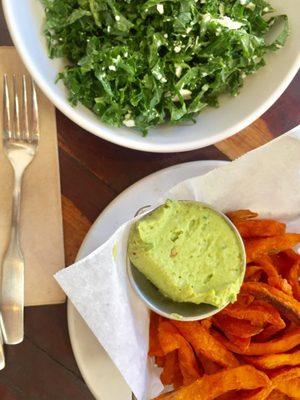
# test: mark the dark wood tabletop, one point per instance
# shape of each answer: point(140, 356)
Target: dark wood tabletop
point(93, 172)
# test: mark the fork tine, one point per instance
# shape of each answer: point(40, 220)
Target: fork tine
point(6, 110)
point(16, 115)
point(25, 127)
point(35, 115)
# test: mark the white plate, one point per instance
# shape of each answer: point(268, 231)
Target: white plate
point(100, 374)
point(25, 21)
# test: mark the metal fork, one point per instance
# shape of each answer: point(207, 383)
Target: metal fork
point(20, 144)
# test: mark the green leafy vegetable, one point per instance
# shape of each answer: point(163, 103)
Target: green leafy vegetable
point(144, 63)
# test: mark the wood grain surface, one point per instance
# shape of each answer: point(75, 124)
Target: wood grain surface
point(93, 172)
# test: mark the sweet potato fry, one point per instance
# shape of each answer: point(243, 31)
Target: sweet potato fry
point(154, 345)
point(287, 305)
point(241, 343)
point(274, 383)
point(272, 361)
point(209, 367)
point(235, 327)
point(253, 273)
point(293, 279)
point(170, 370)
point(276, 395)
point(205, 344)
point(282, 344)
point(241, 215)
point(275, 244)
point(244, 300)
point(259, 228)
point(258, 313)
point(160, 361)
point(282, 261)
point(290, 387)
point(274, 278)
point(211, 386)
point(170, 340)
point(206, 323)
point(267, 333)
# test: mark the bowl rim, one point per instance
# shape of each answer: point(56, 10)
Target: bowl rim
point(105, 132)
point(142, 212)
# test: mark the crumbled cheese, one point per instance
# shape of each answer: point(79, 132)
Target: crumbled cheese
point(126, 54)
point(243, 75)
point(160, 8)
point(224, 21)
point(166, 35)
point(163, 79)
point(229, 23)
point(112, 68)
point(222, 9)
point(278, 46)
point(250, 5)
point(128, 115)
point(108, 29)
point(266, 9)
point(117, 18)
point(188, 30)
point(185, 93)
point(129, 123)
point(178, 71)
point(177, 49)
point(243, 2)
point(205, 87)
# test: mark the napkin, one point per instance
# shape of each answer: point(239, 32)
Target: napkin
point(266, 180)
point(41, 221)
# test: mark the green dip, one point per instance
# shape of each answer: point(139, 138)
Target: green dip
point(189, 252)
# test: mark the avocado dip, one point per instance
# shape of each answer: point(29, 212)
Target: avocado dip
point(189, 252)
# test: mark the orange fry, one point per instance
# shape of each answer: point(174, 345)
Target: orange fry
point(291, 387)
point(241, 214)
point(275, 244)
point(272, 361)
point(259, 228)
point(293, 278)
point(170, 340)
point(282, 344)
point(205, 344)
point(160, 361)
point(233, 326)
point(274, 383)
point(171, 369)
point(287, 305)
point(274, 278)
point(209, 366)
point(210, 387)
point(253, 273)
point(241, 343)
point(267, 333)
point(276, 395)
point(258, 313)
point(206, 323)
point(154, 345)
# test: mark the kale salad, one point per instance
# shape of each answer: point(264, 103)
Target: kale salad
point(142, 63)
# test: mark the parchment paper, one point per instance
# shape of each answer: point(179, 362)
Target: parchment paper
point(266, 180)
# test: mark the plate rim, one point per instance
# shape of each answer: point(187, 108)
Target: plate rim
point(70, 307)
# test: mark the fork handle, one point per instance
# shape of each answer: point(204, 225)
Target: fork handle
point(12, 285)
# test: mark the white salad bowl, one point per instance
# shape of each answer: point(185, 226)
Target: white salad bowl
point(25, 21)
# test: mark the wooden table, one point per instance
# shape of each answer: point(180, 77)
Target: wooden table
point(93, 172)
